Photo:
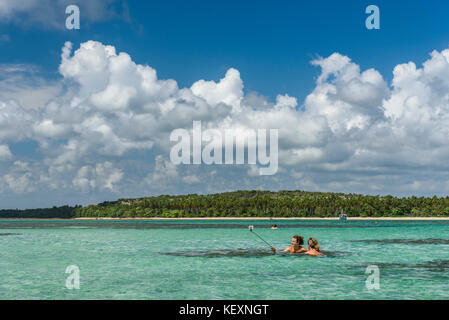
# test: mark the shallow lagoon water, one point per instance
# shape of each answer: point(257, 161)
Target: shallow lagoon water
point(221, 259)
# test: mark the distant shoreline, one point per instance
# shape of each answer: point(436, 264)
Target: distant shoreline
point(250, 205)
point(244, 218)
point(267, 218)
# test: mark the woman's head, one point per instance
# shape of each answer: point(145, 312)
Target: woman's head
point(313, 243)
point(297, 240)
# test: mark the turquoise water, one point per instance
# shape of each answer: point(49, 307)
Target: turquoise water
point(221, 260)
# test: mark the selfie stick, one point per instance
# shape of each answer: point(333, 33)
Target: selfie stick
point(251, 228)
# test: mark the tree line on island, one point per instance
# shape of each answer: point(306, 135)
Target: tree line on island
point(287, 204)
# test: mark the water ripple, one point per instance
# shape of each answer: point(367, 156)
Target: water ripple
point(406, 241)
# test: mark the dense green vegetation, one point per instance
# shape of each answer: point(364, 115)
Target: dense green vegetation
point(250, 204)
point(55, 212)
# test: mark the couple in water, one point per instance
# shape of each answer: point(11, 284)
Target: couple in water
point(296, 247)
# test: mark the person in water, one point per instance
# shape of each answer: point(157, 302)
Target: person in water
point(296, 247)
point(314, 247)
point(274, 226)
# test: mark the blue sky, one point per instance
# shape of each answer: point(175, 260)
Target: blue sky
point(272, 45)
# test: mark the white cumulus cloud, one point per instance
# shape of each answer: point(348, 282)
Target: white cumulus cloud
point(108, 130)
